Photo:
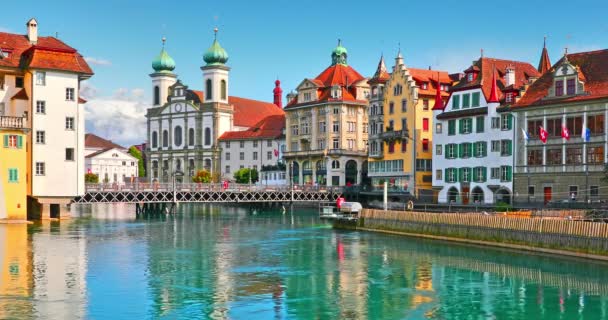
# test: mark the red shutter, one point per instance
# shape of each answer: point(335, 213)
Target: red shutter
point(425, 124)
point(425, 144)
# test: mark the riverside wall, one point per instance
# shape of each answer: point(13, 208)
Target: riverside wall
point(550, 235)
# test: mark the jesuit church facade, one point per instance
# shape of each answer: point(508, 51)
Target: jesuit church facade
point(183, 125)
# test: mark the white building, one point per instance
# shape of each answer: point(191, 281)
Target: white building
point(184, 125)
point(40, 76)
point(110, 162)
point(473, 153)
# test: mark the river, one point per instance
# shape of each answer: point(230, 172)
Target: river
point(221, 262)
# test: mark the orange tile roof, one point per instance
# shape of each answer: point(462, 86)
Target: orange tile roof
point(430, 76)
point(271, 127)
point(21, 95)
point(97, 142)
point(48, 53)
point(593, 71)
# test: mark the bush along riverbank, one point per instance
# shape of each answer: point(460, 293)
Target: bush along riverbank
point(549, 235)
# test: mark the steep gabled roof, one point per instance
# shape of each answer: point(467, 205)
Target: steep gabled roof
point(430, 77)
point(544, 64)
point(381, 75)
point(271, 127)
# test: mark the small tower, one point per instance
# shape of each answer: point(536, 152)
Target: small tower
point(544, 64)
point(339, 55)
point(215, 73)
point(32, 31)
point(494, 89)
point(399, 60)
point(162, 77)
point(278, 94)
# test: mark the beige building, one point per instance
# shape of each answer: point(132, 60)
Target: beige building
point(326, 126)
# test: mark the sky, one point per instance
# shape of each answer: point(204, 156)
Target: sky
point(290, 40)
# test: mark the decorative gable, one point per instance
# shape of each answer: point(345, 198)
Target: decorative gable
point(566, 81)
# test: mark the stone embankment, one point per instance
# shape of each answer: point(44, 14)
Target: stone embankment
point(523, 232)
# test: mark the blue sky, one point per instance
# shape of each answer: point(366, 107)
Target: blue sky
point(293, 40)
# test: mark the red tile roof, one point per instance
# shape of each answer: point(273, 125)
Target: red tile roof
point(593, 71)
point(48, 53)
point(21, 95)
point(523, 72)
point(270, 127)
point(97, 142)
point(381, 75)
point(430, 76)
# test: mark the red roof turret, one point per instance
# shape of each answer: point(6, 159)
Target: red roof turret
point(278, 94)
point(493, 90)
point(544, 64)
point(438, 99)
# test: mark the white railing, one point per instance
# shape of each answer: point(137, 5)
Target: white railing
point(197, 187)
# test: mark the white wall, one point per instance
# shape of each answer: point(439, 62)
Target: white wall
point(262, 149)
point(113, 161)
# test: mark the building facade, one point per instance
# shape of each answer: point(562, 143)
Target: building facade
point(473, 153)
point(184, 125)
point(401, 152)
point(13, 168)
point(570, 103)
point(40, 77)
point(326, 126)
point(112, 163)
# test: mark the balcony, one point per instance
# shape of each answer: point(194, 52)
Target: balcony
point(12, 122)
point(560, 168)
point(311, 153)
point(347, 152)
point(376, 154)
point(393, 135)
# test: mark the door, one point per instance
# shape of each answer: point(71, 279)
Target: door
point(547, 193)
point(465, 195)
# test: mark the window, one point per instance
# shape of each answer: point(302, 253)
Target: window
point(177, 136)
point(255, 155)
point(535, 157)
point(69, 123)
point(269, 155)
point(574, 155)
point(595, 154)
point(18, 82)
point(336, 143)
point(465, 174)
point(403, 146)
point(165, 138)
point(509, 97)
point(404, 105)
point(554, 156)
point(425, 104)
point(480, 149)
point(336, 110)
point(559, 87)
point(224, 89)
point(227, 170)
point(479, 122)
point(571, 86)
point(69, 94)
point(241, 155)
point(391, 108)
point(438, 128)
point(438, 150)
point(397, 90)
point(295, 129)
point(506, 148)
point(208, 90)
point(438, 174)
point(227, 157)
point(595, 123)
point(294, 146)
point(154, 139)
point(69, 155)
point(40, 168)
point(466, 125)
point(573, 192)
point(575, 124)
point(336, 126)
point(495, 173)
point(479, 174)
point(40, 78)
point(425, 124)
point(456, 102)
point(322, 127)
point(451, 127)
point(466, 100)
point(425, 145)
point(424, 165)
point(495, 122)
point(40, 137)
point(13, 141)
point(321, 144)
point(227, 144)
point(451, 150)
point(305, 127)
point(2, 81)
point(13, 175)
point(531, 191)
point(391, 125)
point(391, 147)
point(335, 164)
point(41, 107)
point(241, 144)
point(465, 150)
point(506, 121)
point(554, 127)
point(450, 175)
point(594, 191)
point(533, 127)
point(475, 102)
point(506, 173)
point(255, 143)
point(470, 77)
point(495, 147)
point(156, 95)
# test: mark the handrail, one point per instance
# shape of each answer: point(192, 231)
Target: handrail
point(195, 187)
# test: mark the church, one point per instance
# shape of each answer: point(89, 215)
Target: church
point(185, 125)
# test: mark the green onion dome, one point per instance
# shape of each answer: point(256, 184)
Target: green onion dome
point(163, 62)
point(339, 55)
point(215, 55)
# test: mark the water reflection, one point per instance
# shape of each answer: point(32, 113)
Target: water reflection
point(233, 263)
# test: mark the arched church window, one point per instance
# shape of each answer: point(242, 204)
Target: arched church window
point(177, 136)
point(224, 89)
point(165, 138)
point(156, 95)
point(208, 89)
point(335, 164)
point(207, 136)
point(191, 137)
point(154, 139)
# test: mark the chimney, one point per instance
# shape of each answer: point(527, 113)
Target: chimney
point(278, 94)
point(32, 31)
point(510, 76)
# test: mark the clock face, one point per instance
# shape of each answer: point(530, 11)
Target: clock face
point(178, 107)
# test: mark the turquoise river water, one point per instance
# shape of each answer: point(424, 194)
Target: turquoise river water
point(219, 262)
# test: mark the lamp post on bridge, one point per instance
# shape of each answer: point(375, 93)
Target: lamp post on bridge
point(176, 174)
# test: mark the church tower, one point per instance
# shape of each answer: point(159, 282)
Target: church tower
point(163, 77)
point(215, 73)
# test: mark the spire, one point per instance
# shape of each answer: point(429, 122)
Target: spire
point(399, 58)
point(494, 89)
point(381, 75)
point(278, 94)
point(438, 100)
point(544, 64)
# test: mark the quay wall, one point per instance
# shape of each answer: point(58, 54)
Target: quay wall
point(569, 237)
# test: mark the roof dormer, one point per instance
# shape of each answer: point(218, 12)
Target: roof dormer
point(178, 91)
point(566, 80)
point(471, 73)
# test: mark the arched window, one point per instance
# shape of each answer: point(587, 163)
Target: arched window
point(177, 136)
point(165, 138)
point(154, 139)
point(208, 88)
point(207, 136)
point(178, 165)
point(156, 95)
point(224, 89)
point(191, 136)
point(335, 164)
point(207, 164)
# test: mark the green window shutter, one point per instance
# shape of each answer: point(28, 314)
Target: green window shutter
point(6, 141)
point(459, 147)
point(509, 173)
point(460, 126)
point(509, 122)
point(13, 176)
point(466, 100)
point(509, 147)
point(485, 148)
point(456, 102)
point(460, 174)
point(452, 127)
point(475, 148)
point(475, 176)
point(19, 142)
point(485, 174)
point(475, 99)
point(480, 124)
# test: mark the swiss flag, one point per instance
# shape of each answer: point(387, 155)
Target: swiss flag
point(276, 152)
point(543, 135)
point(565, 133)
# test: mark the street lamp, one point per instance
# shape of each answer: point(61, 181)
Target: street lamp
point(176, 174)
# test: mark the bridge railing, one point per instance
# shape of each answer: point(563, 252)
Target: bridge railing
point(190, 187)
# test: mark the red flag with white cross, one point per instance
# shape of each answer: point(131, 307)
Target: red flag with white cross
point(543, 135)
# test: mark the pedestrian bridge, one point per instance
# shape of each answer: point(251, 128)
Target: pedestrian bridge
point(204, 193)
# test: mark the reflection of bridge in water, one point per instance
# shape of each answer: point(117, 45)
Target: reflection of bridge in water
point(204, 193)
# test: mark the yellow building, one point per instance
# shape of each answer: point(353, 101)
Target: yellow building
point(13, 178)
point(16, 278)
point(402, 153)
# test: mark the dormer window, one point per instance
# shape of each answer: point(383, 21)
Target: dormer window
point(559, 87)
point(570, 86)
point(425, 85)
point(509, 97)
point(336, 92)
point(470, 77)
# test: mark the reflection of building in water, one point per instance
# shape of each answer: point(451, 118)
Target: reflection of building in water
point(60, 267)
point(351, 278)
point(16, 272)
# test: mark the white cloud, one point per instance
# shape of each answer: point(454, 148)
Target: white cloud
point(7, 30)
point(98, 61)
point(120, 118)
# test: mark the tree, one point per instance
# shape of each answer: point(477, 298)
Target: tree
point(242, 175)
point(91, 178)
point(202, 176)
point(140, 161)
